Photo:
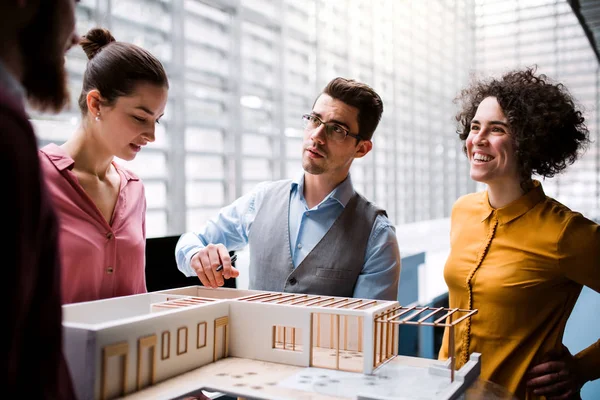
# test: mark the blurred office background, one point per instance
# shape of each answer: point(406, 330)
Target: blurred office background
point(242, 72)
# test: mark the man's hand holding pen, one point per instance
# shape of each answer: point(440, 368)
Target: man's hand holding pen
point(213, 264)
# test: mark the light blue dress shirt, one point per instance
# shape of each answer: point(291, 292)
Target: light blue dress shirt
point(381, 270)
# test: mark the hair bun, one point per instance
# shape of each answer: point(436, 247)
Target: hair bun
point(93, 41)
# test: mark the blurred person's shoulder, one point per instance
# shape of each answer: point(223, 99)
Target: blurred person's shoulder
point(12, 111)
point(17, 139)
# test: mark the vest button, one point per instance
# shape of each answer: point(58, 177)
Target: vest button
point(293, 281)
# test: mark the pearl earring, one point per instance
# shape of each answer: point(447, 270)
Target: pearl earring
point(98, 117)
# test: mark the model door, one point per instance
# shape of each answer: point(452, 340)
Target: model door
point(113, 381)
point(221, 341)
point(146, 362)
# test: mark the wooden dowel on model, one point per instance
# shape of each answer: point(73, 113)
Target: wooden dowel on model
point(349, 303)
point(318, 330)
point(337, 342)
point(375, 342)
point(451, 345)
point(345, 332)
point(256, 296)
point(331, 332)
point(381, 342)
point(437, 321)
point(360, 331)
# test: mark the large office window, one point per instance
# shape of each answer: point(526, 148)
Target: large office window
point(514, 34)
point(242, 72)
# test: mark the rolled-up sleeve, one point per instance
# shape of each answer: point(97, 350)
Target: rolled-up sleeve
point(380, 275)
point(230, 227)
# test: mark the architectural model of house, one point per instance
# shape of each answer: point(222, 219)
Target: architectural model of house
point(254, 344)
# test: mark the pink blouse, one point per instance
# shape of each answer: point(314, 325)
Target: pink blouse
point(98, 260)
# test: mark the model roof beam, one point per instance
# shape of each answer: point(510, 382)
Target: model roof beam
point(257, 296)
point(431, 314)
point(317, 301)
point(293, 303)
point(368, 303)
point(350, 303)
point(395, 319)
point(335, 303)
point(295, 297)
point(281, 297)
point(448, 314)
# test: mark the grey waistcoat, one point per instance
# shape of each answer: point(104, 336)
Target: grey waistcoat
point(330, 269)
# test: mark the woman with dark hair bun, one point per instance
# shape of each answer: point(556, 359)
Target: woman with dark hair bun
point(518, 256)
point(101, 205)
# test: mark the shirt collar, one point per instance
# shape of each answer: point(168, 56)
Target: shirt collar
point(61, 160)
point(342, 193)
point(515, 209)
point(11, 84)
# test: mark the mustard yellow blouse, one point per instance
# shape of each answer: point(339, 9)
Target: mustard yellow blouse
point(522, 266)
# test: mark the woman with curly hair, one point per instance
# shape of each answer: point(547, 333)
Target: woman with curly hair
point(518, 256)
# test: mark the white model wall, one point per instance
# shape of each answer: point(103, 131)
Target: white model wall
point(79, 350)
point(252, 332)
point(110, 310)
point(219, 293)
point(171, 322)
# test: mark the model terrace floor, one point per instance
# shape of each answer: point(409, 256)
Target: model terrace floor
point(402, 378)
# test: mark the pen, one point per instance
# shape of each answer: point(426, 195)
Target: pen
point(220, 267)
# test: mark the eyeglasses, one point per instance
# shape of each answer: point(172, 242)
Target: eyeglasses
point(333, 131)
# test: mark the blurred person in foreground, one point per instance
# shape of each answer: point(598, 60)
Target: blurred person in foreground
point(35, 36)
point(101, 205)
point(518, 256)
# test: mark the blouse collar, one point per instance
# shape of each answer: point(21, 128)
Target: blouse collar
point(515, 209)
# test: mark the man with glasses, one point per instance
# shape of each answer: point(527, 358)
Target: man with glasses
point(314, 234)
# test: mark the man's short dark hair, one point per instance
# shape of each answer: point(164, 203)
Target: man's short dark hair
point(361, 96)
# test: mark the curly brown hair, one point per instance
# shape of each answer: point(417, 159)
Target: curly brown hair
point(547, 128)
